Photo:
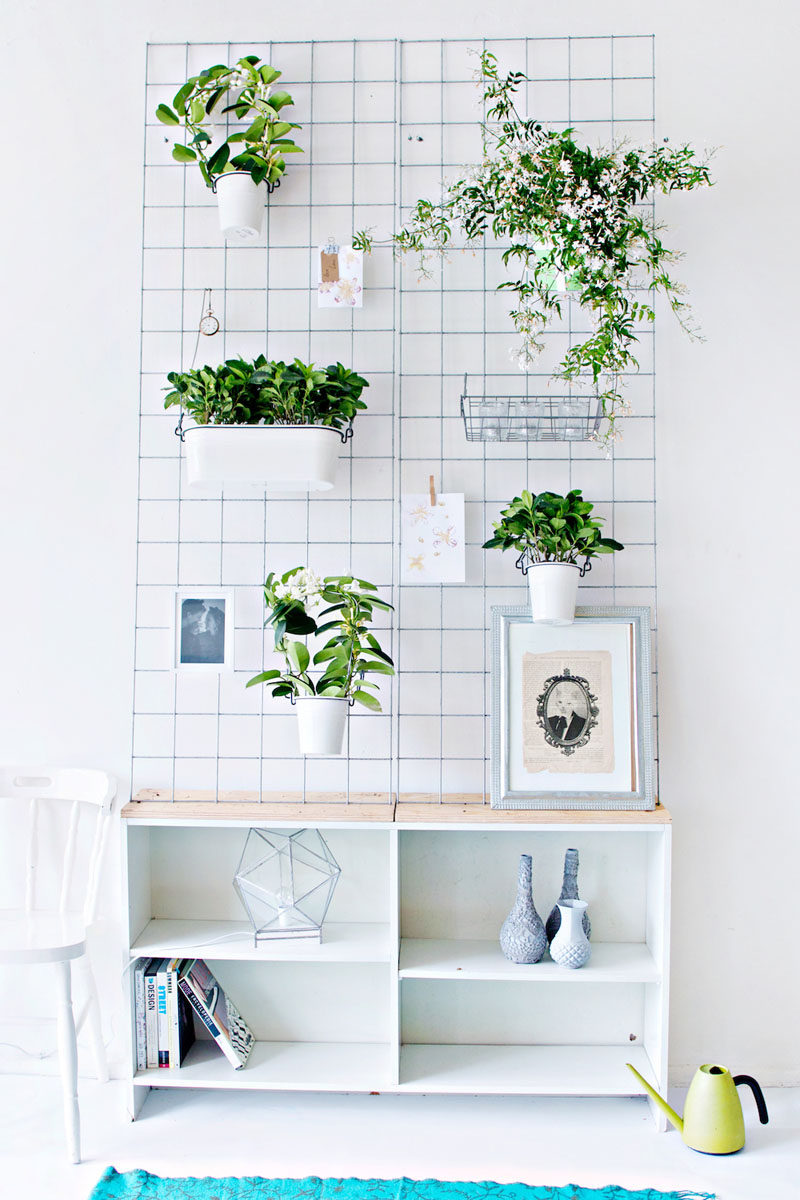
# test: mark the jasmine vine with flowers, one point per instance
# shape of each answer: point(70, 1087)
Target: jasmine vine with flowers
point(264, 140)
point(563, 210)
point(350, 653)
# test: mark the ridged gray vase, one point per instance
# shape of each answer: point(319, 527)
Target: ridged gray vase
point(522, 937)
point(569, 891)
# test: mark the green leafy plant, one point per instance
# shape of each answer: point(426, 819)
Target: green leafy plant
point(264, 141)
point(238, 392)
point(349, 654)
point(563, 212)
point(551, 528)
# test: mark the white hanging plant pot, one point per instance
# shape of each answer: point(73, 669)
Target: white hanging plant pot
point(554, 592)
point(241, 205)
point(280, 458)
point(321, 724)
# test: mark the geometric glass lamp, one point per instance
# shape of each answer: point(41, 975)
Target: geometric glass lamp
point(285, 882)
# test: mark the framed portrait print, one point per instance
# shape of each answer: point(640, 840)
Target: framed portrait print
point(571, 719)
point(204, 630)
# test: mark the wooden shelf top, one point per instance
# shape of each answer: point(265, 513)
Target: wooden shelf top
point(417, 808)
point(456, 810)
point(154, 805)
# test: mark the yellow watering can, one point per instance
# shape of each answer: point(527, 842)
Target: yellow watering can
point(712, 1119)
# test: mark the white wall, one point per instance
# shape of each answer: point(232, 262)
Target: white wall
point(70, 308)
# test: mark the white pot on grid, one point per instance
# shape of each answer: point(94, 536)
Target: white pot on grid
point(321, 724)
point(280, 458)
point(241, 205)
point(554, 592)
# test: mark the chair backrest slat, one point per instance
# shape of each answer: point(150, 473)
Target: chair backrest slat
point(42, 790)
point(69, 856)
point(101, 830)
point(32, 856)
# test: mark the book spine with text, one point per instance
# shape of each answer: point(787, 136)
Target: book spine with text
point(219, 1035)
point(163, 1021)
point(209, 1022)
point(172, 1012)
point(139, 1013)
point(151, 1012)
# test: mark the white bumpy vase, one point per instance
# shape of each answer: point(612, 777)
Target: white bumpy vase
point(571, 947)
point(321, 724)
point(554, 592)
point(241, 205)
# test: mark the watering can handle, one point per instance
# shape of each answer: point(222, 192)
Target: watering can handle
point(758, 1095)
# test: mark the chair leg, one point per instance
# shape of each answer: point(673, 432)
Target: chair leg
point(68, 1056)
point(95, 1028)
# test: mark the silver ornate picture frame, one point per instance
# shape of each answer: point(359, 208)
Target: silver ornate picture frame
point(571, 711)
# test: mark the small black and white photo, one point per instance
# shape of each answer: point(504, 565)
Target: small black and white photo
point(567, 710)
point(204, 625)
point(564, 711)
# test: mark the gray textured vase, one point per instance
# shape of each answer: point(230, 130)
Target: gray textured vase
point(522, 937)
point(569, 891)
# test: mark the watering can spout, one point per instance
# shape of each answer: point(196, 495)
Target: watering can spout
point(662, 1104)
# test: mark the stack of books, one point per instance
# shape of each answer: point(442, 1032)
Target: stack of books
point(170, 994)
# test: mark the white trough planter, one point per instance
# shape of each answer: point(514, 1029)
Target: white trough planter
point(280, 458)
point(554, 592)
point(241, 205)
point(321, 724)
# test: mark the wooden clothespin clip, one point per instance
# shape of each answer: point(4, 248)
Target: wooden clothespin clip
point(432, 491)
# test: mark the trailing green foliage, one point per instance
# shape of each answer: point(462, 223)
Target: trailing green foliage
point(550, 528)
point(264, 141)
point(349, 654)
point(570, 219)
point(268, 393)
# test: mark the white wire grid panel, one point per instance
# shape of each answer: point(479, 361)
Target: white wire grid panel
point(384, 122)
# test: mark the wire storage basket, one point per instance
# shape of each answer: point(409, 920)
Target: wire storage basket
point(572, 417)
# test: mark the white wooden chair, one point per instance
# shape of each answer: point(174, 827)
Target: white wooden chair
point(57, 875)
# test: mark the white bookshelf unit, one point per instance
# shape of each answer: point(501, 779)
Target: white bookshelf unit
point(408, 990)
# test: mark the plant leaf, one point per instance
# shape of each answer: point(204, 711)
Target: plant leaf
point(264, 677)
point(166, 115)
point(183, 154)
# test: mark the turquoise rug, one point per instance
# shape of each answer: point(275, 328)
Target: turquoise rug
point(138, 1185)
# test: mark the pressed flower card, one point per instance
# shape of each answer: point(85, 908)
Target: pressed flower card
point(432, 538)
point(341, 277)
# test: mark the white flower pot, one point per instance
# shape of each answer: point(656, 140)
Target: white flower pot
point(321, 724)
point(241, 205)
point(554, 592)
point(280, 458)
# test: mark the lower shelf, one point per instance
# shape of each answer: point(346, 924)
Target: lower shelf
point(524, 1070)
point(281, 1066)
point(367, 1067)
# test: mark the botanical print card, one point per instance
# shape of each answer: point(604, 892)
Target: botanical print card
point(432, 538)
point(341, 277)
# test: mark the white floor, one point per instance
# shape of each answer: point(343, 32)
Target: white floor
point(588, 1142)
